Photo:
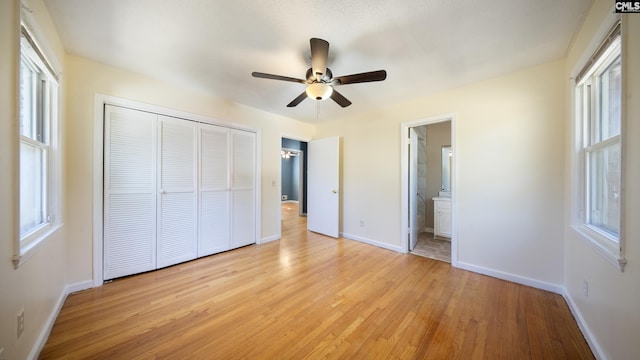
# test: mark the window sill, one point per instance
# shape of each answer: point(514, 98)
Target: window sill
point(598, 243)
point(27, 251)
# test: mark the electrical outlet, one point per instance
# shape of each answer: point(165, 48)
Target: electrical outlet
point(20, 323)
point(362, 223)
point(585, 288)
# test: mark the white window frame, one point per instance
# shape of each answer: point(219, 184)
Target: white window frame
point(586, 92)
point(48, 108)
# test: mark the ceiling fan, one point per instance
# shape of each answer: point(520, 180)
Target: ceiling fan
point(320, 81)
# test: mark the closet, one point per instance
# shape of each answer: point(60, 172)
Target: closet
point(174, 190)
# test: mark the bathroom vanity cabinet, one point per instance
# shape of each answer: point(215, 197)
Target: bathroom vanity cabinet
point(442, 217)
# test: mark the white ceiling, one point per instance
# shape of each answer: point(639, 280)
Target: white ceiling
point(212, 46)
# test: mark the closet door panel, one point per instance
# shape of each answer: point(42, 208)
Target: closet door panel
point(176, 242)
point(214, 228)
point(243, 218)
point(177, 204)
point(244, 160)
point(243, 188)
point(214, 223)
point(129, 192)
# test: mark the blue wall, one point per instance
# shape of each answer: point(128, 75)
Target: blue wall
point(290, 171)
point(290, 178)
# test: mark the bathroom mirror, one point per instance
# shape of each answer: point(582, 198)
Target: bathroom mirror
point(447, 157)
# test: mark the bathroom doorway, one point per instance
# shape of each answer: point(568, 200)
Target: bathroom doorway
point(429, 189)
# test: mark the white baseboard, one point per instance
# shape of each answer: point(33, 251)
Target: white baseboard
point(269, 239)
point(372, 242)
point(584, 327)
point(48, 325)
point(558, 289)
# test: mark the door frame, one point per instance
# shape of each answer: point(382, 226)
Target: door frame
point(404, 183)
point(100, 100)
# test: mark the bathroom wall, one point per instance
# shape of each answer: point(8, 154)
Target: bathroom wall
point(438, 135)
point(290, 178)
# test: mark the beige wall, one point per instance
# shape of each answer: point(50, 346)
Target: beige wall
point(438, 135)
point(509, 136)
point(87, 78)
point(36, 286)
point(611, 310)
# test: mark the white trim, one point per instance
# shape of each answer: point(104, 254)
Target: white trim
point(372, 242)
point(292, 137)
point(605, 27)
point(41, 340)
point(31, 248)
point(29, 22)
point(584, 327)
point(404, 188)
point(611, 249)
point(100, 101)
point(98, 189)
point(39, 57)
point(599, 244)
point(257, 185)
point(518, 279)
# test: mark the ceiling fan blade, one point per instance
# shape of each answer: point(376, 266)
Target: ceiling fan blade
point(277, 77)
point(370, 76)
point(319, 54)
point(298, 100)
point(341, 100)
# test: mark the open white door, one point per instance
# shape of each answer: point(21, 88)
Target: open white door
point(413, 188)
point(323, 198)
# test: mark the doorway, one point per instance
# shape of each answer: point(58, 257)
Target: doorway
point(293, 184)
point(428, 153)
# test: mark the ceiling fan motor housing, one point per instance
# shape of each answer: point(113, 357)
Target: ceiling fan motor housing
point(326, 77)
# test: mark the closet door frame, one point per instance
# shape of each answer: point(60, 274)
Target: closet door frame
point(100, 101)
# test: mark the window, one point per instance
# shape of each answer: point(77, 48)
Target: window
point(599, 118)
point(39, 165)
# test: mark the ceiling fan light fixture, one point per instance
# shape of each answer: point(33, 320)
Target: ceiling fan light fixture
point(319, 91)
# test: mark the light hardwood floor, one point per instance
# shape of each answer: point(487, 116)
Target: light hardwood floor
point(310, 296)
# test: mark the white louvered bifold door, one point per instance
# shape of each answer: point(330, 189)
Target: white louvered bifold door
point(129, 192)
point(214, 228)
point(243, 188)
point(177, 202)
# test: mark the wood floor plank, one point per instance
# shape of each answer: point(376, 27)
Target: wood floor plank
point(312, 297)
